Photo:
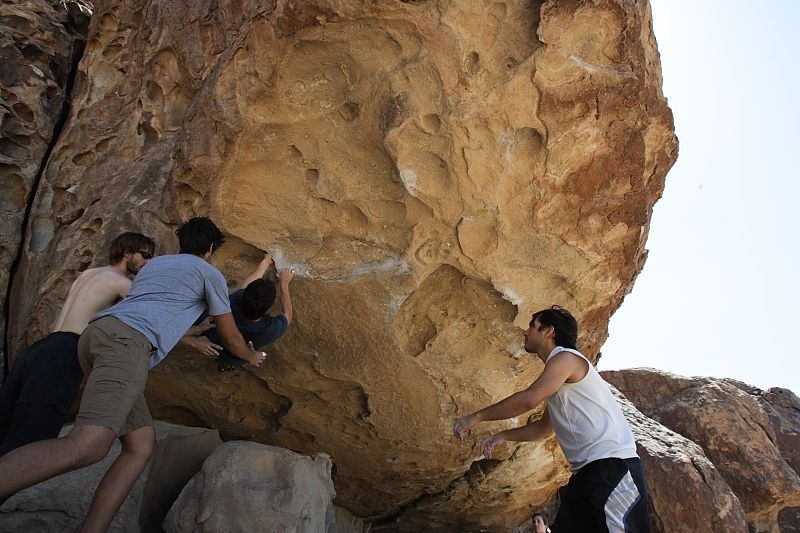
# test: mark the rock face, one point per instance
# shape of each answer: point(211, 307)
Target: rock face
point(736, 425)
point(347, 522)
point(245, 486)
point(61, 503)
point(180, 454)
point(434, 171)
point(687, 492)
point(40, 45)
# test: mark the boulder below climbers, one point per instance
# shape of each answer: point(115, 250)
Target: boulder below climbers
point(728, 419)
point(245, 486)
point(180, 453)
point(687, 492)
point(61, 503)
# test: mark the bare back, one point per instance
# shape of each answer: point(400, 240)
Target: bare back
point(94, 290)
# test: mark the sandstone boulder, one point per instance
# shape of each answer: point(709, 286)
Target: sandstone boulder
point(61, 503)
point(687, 492)
point(180, 454)
point(245, 486)
point(434, 171)
point(727, 419)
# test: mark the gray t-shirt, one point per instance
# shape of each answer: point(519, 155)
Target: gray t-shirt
point(166, 298)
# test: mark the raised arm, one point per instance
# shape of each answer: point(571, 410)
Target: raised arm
point(556, 372)
point(284, 278)
point(234, 342)
point(259, 272)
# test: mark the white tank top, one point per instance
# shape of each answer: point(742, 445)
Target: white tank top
point(587, 420)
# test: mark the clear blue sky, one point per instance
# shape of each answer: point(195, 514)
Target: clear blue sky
point(718, 295)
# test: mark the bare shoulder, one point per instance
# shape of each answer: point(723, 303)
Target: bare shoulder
point(106, 278)
point(576, 366)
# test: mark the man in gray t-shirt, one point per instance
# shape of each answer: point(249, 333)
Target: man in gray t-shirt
point(115, 351)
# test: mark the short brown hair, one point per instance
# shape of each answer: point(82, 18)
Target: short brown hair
point(129, 242)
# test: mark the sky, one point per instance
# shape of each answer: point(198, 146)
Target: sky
point(720, 288)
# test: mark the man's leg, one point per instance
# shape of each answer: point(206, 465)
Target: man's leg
point(41, 387)
point(9, 393)
point(31, 422)
point(38, 461)
point(137, 448)
point(573, 512)
point(617, 503)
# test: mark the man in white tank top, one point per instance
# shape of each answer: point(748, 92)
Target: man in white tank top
point(607, 491)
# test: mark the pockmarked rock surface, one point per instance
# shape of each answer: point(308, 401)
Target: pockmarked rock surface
point(434, 171)
point(61, 503)
point(245, 486)
point(736, 425)
point(687, 492)
point(40, 45)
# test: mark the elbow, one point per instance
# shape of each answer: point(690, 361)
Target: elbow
point(530, 400)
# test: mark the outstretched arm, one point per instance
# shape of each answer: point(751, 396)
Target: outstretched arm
point(204, 325)
point(194, 338)
point(284, 278)
point(556, 372)
point(529, 432)
point(234, 342)
point(201, 344)
point(259, 272)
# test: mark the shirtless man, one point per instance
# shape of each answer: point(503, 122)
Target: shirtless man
point(115, 351)
point(44, 379)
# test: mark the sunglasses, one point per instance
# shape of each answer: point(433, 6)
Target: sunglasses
point(145, 254)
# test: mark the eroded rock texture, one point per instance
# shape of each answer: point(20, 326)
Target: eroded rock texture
point(434, 171)
point(40, 45)
point(687, 492)
point(750, 435)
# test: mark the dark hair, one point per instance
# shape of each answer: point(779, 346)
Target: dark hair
point(129, 242)
point(197, 235)
point(257, 298)
point(564, 324)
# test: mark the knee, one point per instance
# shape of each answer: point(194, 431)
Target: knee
point(91, 443)
point(140, 444)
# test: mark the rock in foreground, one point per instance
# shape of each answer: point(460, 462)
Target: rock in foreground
point(245, 486)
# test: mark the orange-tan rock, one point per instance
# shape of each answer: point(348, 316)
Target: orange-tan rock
point(434, 171)
point(40, 45)
point(687, 492)
point(737, 428)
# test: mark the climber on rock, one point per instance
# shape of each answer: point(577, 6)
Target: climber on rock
point(250, 304)
point(116, 350)
point(607, 490)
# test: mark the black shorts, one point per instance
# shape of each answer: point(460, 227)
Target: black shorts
point(607, 495)
point(36, 397)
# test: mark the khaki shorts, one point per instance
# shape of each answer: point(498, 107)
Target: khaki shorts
point(115, 357)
